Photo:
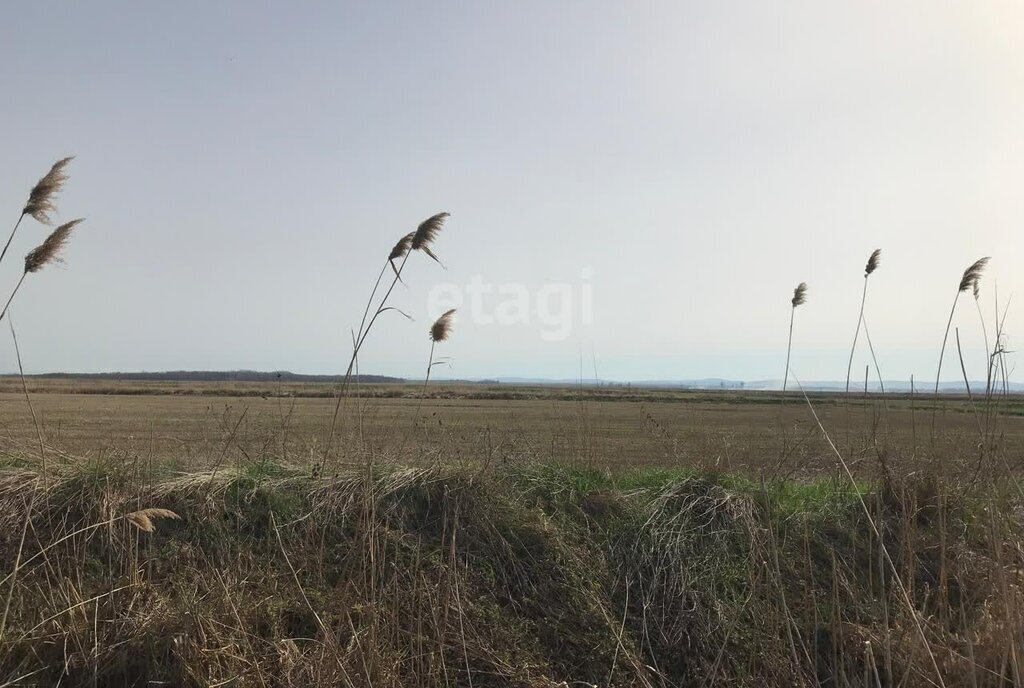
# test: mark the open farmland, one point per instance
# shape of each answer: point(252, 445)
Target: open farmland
point(538, 537)
point(197, 425)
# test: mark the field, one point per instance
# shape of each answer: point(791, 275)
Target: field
point(196, 425)
point(208, 534)
point(280, 534)
point(801, 196)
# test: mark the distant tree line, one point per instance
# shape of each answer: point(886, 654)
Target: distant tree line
point(218, 376)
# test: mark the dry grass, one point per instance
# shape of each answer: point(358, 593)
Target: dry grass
point(526, 576)
point(193, 425)
point(500, 542)
point(144, 519)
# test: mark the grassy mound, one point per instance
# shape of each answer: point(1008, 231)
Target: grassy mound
point(536, 576)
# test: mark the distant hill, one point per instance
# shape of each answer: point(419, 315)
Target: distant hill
point(218, 376)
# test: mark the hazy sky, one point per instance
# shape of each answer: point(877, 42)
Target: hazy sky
point(245, 168)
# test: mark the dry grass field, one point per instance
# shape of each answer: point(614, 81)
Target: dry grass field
point(193, 426)
point(203, 534)
point(229, 534)
point(487, 535)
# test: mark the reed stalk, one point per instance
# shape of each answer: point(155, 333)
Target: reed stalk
point(871, 266)
point(968, 281)
point(799, 298)
point(420, 240)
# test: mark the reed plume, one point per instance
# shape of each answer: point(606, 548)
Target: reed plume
point(873, 260)
point(143, 519)
point(427, 232)
point(439, 332)
point(41, 199)
point(968, 282)
point(46, 253)
point(799, 299)
point(972, 275)
point(401, 250)
point(442, 327)
point(799, 295)
point(49, 251)
point(421, 239)
point(418, 240)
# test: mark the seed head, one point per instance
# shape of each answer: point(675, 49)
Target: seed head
point(41, 199)
point(143, 519)
point(442, 327)
point(876, 257)
point(427, 232)
point(49, 251)
point(800, 295)
point(972, 275)
point(402, 247)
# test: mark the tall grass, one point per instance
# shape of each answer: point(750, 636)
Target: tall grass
point(870, 267)
point(520, 573)
point(422, 240)
point(799, 298)
point(41, 203)
point(523, 575)
point(968, 282)
point(976, 289)
point(439, 332)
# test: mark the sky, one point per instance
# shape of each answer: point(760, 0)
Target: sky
point(635, 188)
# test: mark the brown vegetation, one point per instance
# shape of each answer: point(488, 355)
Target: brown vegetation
point(525, 537)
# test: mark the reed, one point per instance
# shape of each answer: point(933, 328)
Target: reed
point(984, 331)
point(799, 299)
point(872, 265)
point(41, 201)
point(144, 519)
point(968, 282)
point(439, 332)
point(40, 204)
point(422, 239)
point(46, 253)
